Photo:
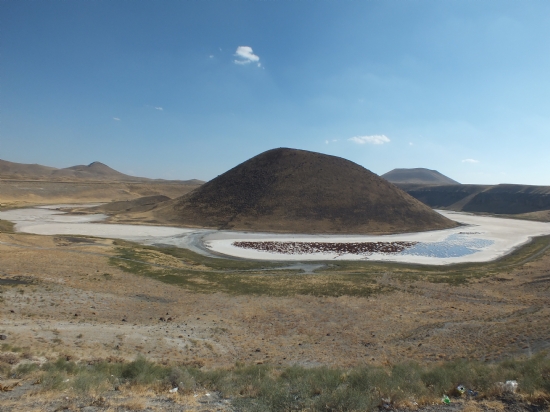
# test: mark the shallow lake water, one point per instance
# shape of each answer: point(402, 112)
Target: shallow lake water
point(479, 239)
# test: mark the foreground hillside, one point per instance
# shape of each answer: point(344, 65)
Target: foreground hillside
point(77, 312)
point(287, 190)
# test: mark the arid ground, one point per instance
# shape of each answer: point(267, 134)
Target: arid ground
point(87, 298)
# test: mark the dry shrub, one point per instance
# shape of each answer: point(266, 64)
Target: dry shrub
point(496, 406)
point(135, 405)
point(472, 407)
point(9, 358)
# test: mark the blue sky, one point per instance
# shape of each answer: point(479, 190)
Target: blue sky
point(188, 89)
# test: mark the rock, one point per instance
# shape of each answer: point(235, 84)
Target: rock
point(3, 337)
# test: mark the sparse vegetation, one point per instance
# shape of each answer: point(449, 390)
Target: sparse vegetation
point(266, 387)
point(484, 313)
point(6, 226)
point(351, 278)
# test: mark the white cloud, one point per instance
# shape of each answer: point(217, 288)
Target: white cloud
point(411, 144)
point(116, 118)
point(470, 161)
point(326, 141)
point(159, 108)
point(374, 139)
point(246, 55)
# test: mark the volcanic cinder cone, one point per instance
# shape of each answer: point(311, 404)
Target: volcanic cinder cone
point(296, 191)
point(418, 175)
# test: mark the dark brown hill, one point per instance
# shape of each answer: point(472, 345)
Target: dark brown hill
point(418, 175)
point(287, 190)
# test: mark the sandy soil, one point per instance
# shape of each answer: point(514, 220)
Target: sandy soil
point(76, 303)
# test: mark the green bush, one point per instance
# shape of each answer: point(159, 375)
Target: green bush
point(265, 387)
point(141, 371)
point(25, 369)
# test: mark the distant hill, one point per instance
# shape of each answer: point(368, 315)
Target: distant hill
point(13, 170)
point(95, 171)
point(288, 190)
point(418, 176)
point(498, 199)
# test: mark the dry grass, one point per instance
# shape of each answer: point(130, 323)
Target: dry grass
point(138, 384)
point(493, 405)
point(499, 312)
point(472, 406)
point(134, 404)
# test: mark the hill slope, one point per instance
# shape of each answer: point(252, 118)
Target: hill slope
point(95, 171)
point(499, 199)
point(419, 176)
point(287, 190)
point(12, 170)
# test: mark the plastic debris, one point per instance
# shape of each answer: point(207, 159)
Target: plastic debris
point(446, 400)
point(461, 389)
point(508, 387)
point(471, 392)
point(173, 390)
point(511, 386)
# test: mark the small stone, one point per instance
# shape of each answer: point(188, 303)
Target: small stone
point(3, 337)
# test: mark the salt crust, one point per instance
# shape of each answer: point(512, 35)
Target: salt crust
point(493, 236)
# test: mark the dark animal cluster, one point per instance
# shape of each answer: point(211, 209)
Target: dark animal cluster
point(301, 248)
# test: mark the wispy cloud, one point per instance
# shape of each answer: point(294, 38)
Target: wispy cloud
point(116, 118)
point(245, 55)
point(159, 108)
point(374, 139)
point(470, 161)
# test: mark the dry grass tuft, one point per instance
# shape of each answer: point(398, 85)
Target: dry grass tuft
point(491, 405)
point(134, 404)
point(472, 406)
